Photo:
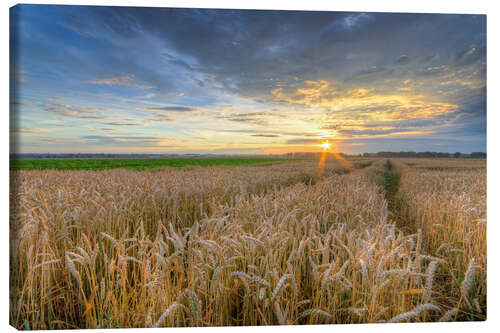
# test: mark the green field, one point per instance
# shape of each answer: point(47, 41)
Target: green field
point(131, 163)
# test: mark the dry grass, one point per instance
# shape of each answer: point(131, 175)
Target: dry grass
point(254, 245)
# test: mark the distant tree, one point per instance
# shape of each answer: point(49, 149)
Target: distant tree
point(457, 154)
point(478, 155)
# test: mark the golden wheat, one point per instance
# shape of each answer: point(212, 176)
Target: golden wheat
point(257, 245)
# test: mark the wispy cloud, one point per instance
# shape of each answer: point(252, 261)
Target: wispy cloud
point(351, 21)
point(69, 110)
point(124, 80)
point(160, 118)
point(266, 135)
point(23, 130)
point(117, 123)
point(304, 141)
point(257, 118)
point(174, 108)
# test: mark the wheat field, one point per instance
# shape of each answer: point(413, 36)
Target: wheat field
point(344, 241)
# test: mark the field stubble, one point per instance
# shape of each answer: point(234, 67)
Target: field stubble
point(267, 245)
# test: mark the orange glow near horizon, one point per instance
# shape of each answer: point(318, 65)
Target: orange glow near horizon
point(326, 145)
point(321, 165)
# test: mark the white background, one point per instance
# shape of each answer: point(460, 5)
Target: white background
point(420, 6)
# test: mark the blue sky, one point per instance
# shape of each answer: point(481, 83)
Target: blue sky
point(163, 80)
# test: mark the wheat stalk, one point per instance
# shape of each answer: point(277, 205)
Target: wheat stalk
point(413, 313)
point(449, 315)
point(169, 310)
point(311, 312)
point(279, 285)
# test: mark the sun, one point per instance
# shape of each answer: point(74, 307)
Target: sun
point(326, 145)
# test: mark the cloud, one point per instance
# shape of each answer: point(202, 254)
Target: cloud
point(69, 110)
point(178, 62)
point(402, 59)
point(362, 102)
point(22, 130)
point(469, 56)
point(17, 103)
point(102, 143)
point(314, 93)
point(80, 27)
point(130, 140)
point(304, 141)
point(161, 114)
point(93, 117)
point(257, 118)
point(352, 20)
point(171, 108)
point(255, 121)
point(266, 135)
point(160, 118)
point(123, 80)
point(259, 133)
point(54, 99)
point(253, 115)
point(375, 132)
point(434, 70)
point(127, 138)
point(117, 123)
point(147, 96)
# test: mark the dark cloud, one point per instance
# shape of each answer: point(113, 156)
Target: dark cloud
point(223, 42)
point(402, 59)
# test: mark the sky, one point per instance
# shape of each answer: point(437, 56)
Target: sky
point(92, 79)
